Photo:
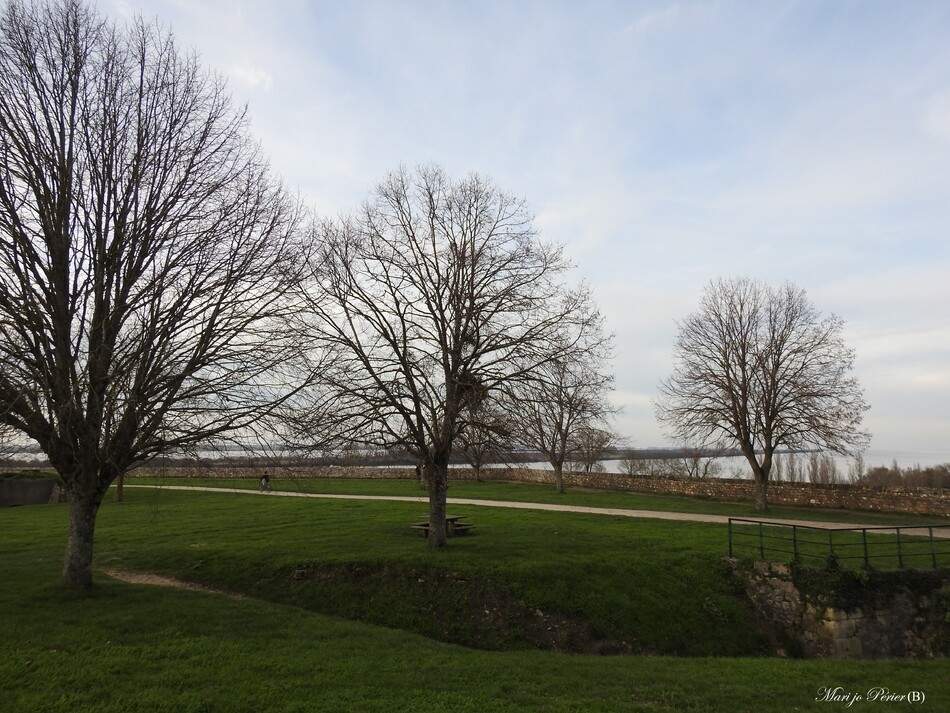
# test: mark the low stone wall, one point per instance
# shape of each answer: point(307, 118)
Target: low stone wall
point(889, 618)
point(276, 472)
point(922, 501)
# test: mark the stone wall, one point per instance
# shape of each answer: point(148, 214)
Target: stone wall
point(895, 616)
point(923, 501)
point(219, 470)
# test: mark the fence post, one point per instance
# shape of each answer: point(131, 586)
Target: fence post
point(795, 542)
point(900, 554)
point(730, 538)
point(761, 542)
point(933, 553)
point(864, 536)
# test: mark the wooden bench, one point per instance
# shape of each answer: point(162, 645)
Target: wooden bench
point(422, 527)
point(452, 527)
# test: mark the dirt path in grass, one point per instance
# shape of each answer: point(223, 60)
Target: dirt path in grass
point(160, 581)
point(944, 532)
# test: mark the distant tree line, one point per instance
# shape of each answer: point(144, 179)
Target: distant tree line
point(814, 467)
point(934, 476)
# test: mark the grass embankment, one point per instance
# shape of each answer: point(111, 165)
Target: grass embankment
point(28, 474)
point(645, 585)
point(595, 580)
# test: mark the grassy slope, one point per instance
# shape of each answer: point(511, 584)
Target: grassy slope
point(618, 574)
point(126, 647)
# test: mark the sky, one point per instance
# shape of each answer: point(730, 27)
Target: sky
point(665, 144)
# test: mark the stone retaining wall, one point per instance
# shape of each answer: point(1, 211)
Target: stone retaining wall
point(923, 501)
point(892, 621)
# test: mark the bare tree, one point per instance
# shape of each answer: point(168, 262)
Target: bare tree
point(700, 461)
point(429, 298)
point(485, 434)
point(144, 247)
point(788, 465)
point(590, 443)
point(758, 367)
point(636, 462)
point(567, 394)
point(857, 468)
point(7, 443)
point(630, 464)
point(822, 469)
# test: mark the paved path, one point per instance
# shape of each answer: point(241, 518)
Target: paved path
point(943, 532)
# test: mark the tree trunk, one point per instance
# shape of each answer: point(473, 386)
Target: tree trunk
point(437, 476)
point(119, 482)
point(760, 474)
point(559, 478)
point(478, 473)
point(761, 488)
point(77, 564)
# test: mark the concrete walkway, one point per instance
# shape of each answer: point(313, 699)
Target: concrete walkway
point(943, 532)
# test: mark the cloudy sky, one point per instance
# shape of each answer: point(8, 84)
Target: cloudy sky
point(664, 143)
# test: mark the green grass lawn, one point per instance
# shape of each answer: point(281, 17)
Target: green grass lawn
point(543, 493)
point(28, 474)
point(348, 611)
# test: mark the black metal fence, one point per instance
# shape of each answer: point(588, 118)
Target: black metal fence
point(918, 546)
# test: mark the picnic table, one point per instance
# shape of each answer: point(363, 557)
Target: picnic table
point(453, 526)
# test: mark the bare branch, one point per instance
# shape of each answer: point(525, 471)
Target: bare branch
point(430, 298)
point(145, 266)
point(759, 368)
point(566, 396)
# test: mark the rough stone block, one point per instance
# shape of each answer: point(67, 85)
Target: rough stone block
point(846, 628)
point(780, 569)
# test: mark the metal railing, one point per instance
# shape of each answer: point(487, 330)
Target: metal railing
point(908, 545)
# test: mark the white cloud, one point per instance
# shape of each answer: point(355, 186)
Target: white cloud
point(252, 76)
point(123, 9)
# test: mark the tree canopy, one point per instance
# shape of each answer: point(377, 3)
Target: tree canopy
point(758, 367)
point(429, 298)
point(144, 252)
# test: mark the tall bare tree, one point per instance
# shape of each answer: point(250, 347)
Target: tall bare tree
point(485, 434)
point(590, 445)
point(433, 295)
point(697, 462)
point(556, 402)
point(144, 252)
point(758, 367)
